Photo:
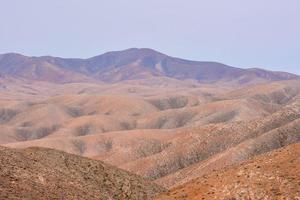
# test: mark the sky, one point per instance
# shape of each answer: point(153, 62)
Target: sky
point(248, 33)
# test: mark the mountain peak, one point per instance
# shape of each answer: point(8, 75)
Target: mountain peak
point(134, 52)
point(141, 50)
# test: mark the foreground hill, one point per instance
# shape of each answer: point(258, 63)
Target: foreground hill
point(275, 175)
point(38, 173)
point(127, 65)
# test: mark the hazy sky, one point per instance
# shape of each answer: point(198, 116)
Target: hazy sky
point(241, 33)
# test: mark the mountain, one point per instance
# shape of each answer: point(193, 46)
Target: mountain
point(274, 175)
point(38, 173)
point(130, 64)
point(37, 68)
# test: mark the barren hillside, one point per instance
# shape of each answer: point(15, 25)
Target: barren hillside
point(37, 173)
point(270, 176)
point(169, 138)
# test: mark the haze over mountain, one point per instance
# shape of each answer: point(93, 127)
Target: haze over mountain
point(128, 65)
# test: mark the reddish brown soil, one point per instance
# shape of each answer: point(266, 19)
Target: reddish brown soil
point(274, 175)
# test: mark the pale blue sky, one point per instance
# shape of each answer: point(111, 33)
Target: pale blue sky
point(241, 33)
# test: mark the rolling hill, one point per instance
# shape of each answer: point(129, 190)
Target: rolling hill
point(170, 142)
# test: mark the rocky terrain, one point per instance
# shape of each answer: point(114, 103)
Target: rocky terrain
point(38, 173)
point(275, 175)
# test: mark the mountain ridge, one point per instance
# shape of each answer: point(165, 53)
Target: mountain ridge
point(130, 64)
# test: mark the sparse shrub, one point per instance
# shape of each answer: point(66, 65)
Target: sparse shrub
point(105, 146)
point(75, 111)
point(79, 146)
point(83, 130)
point(170, 103)
point(126, 126)
point(150, 147)
point(24, 133)
point(223, 117)
point(7, 114)
point(26, 124)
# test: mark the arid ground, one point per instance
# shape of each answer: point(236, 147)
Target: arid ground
point(146, 123)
